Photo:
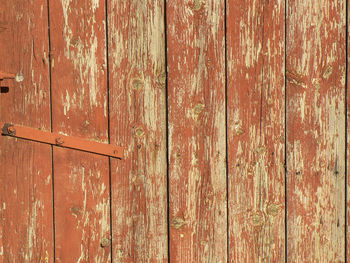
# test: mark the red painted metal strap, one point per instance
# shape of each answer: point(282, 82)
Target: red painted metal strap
point(61, 140)
point(4, 75)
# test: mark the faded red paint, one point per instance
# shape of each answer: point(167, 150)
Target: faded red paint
point(136, 103)
point(315, 130)
point(26, 225)
point(138, 122)
point(58, 139)
point(255, 110)
point(5, 75)
point(196, 98)
point(81, 206)
point(79, 102)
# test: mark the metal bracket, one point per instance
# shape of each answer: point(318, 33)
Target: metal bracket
point(4, 75)
point(61, 140)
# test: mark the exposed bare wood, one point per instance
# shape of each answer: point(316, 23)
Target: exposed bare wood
point(125, 217)
point(80, 105)
point(138, 122)
point(315, 130)
point(197, 172)
point(255, 100)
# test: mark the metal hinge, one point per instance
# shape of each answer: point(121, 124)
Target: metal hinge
point(61, 140)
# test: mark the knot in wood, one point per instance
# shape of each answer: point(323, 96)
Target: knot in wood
point(258, 220)
point(273, 209)
point(105, 242)
point(139, 132)
point(178, 222)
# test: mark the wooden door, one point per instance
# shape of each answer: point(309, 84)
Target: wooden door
point(233, 116)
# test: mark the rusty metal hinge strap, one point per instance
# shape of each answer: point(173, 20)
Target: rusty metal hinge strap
point(61, 140)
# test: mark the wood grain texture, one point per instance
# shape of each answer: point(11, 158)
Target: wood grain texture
point(138, 122)
point(197, 141)
point(81, 207)
point(26, 233)
point(255, 103)
point(315, 130)
point(80, 105)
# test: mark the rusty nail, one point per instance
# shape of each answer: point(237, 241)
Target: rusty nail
point(59, 141)
point(105, 242)
point(11, 129)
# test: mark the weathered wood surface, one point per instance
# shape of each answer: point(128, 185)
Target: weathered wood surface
point(133, 105)
point(315, 130)
point(255, 104)
point(80, 105)
point(138, 122)
point(196, 96)
point(26, 226)
point(82, 215)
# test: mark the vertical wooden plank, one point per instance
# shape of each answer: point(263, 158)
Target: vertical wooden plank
point(256, 102)
point(315, 130)
point(26, 227)
point(80, 104)
point(138, 122)
point(197, 141)
point(81, 207)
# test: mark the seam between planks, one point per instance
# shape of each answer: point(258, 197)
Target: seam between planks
point(51, 128)
point(285, 134)
point(226, 135)
point(346, 126)
point(167, 125)
point(109, 133)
